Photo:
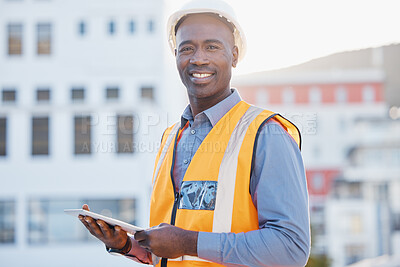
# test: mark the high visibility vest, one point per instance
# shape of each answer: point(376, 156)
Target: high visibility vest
point(214, 195)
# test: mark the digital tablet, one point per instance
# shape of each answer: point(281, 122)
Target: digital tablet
point(132, 229)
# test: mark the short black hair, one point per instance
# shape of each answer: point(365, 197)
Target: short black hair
point(214, 15)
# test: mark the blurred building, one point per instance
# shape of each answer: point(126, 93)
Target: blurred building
point(367, 196)
point(81, 115)
point(340, 103)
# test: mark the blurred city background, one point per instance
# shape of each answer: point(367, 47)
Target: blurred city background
point(88, 87)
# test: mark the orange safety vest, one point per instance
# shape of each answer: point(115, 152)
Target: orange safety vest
point(216, 195)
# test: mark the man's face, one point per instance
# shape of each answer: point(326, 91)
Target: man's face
point(205, 56)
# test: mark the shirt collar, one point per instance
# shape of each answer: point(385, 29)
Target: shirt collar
point(216, 112)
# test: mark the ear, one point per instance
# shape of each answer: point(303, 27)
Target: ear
point(235, 55)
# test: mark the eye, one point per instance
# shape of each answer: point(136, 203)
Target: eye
point(186, 49)
point(212, 47)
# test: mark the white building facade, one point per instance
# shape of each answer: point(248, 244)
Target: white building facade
point(81, 116)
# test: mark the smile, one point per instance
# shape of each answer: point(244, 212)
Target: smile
point(201, 75)
point(201, 78)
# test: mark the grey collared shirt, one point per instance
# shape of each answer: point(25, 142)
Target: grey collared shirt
point(278, 190)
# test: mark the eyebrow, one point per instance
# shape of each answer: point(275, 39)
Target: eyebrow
point(206, 41)
point(213, 41)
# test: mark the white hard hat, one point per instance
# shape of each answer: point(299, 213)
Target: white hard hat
point(207, 6)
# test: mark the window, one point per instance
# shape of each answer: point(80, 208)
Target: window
point(82, 135)
point(47, 223)
point(341, 95)
point(125, 134)
point(77, 94)
point(132, 27)
point(9, 95)
point(82, 28)
point(40, 135)
point(356, 224)
point(347, 190)
point(43, 95)
point(150, 26)
point(147, 93)
point(318, 181)
point(3, 136)
point(14, 39)
point(112, 93)
point(368, 94)
point(396, 221)
point(262, 97)
point(7, 221)
point(315, 95)
point(316, 151)
point(111, 27)
point(44, 39)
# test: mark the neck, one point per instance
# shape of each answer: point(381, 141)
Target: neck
point(198, 105)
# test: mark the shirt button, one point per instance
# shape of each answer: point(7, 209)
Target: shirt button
point(185, 161)
point(193, 131)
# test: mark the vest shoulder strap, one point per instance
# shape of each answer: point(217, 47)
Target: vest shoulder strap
point(289, 127)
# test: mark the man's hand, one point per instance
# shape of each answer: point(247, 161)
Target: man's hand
point(168, 241)
point(113, 238)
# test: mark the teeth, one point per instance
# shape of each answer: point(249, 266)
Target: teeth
point(201, 75)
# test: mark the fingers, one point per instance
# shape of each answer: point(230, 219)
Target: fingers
point(92, 226)
point(82, 219)
point(105, 229)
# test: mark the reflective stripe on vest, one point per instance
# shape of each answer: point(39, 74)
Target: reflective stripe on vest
point(226, 187)
point(164, 149)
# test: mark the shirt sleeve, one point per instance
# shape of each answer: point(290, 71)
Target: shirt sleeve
point(279, 192)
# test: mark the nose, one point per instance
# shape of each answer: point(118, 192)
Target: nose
point(199, 57)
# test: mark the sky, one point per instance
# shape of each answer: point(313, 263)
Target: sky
point(282, 33)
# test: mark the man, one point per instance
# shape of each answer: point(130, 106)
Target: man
point(229, 185)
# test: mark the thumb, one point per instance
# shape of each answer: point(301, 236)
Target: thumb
point(85, 207)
